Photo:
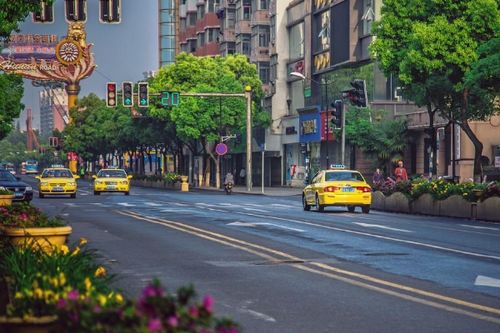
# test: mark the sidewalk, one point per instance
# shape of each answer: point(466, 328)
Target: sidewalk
point(276, 191)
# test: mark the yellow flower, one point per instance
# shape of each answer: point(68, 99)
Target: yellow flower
point(62, 279)
point(38, 293)
point(64, 249)
point(100, 271)
point(83, 241)
point(101, 299)
point(75, 251)
point(49, 295)
point(119, 298)
point(88, 284)
point(18, 295)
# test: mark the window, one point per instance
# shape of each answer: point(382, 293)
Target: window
point(230, 18)
point(183, 24)
point(263, 71)
point(167, 4)
point(368, 16)
point(200, 12)
point(263, 4)
point(201, 39)
point(262, 35)
point(246, 10)
point(212, 35)
point(246, 44)
point(191, 19)
point(167, 29)
point(321, 36)
point(273, 29)
point(296, 41)
point(212, 5)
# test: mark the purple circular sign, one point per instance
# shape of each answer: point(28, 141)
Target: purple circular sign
point(221, 149)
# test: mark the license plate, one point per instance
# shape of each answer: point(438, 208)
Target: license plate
point(347, 189)
point(111, 187)
point(57, 189)
point(19, 194)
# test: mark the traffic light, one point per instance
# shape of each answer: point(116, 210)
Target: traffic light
point(357, 96)
point(109, 11)
point(128, 94)
point(45, 15)
point(143, 94)
point(337, 114)
point(111, 94)
point(76, 10)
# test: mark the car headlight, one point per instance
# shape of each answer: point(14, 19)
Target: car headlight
point(98, 182)
point(124, 182)
point(71, 184)
point(29, 188)
point(44, 183)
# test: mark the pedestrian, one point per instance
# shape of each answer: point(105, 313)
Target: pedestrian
point(229, 179)
point(378, 178)
point(400, 172)
point(82, 172)
point(243, 174)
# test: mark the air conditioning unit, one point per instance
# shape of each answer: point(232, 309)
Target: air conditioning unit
point(398, 94)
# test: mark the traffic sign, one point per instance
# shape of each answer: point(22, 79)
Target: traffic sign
point(221, 149)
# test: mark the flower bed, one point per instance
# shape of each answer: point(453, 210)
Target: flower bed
point(68, 283)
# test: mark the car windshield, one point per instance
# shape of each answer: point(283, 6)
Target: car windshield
point(7, 177)
point(57, 174)
point(343, 176)
point(112, 174)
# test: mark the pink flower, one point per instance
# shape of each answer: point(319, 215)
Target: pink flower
point(208, 303)
point(73, 295)
point(193, 312)
point(61, 304)
point(154, 325)
point(172, 321)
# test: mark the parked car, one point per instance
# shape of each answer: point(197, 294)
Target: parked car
point(21, 190)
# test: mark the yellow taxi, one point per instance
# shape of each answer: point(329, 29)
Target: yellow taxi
point(337, 187)
point(57, 181)
point(111, 180)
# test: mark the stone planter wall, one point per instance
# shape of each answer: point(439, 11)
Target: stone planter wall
point(454, 206)
point(155, 184)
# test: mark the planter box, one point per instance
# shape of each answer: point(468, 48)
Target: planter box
point(455, 206)
point(397, 202)
point(46, 237)
point(489, 209)
point(44, 324)
point(378, 200)
point(6, 199)
point(425, 205)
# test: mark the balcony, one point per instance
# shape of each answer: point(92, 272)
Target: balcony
point(209, 49)
point(243, 27)
point(228, 35)
point(260, 54)
point(260, 17)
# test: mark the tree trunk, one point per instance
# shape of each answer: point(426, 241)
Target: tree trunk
point(478, 149)
point(432, 133)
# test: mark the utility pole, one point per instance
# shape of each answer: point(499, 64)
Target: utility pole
point(343, 133)
point(248, 95)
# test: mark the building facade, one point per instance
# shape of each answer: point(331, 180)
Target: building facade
point(53, 110)
point(168, 31)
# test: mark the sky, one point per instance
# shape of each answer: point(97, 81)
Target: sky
point(123, 52)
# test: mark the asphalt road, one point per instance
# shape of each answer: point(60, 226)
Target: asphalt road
point(275, 268)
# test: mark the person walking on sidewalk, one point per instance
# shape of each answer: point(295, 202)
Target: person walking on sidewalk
point(400, 172)
point(243, 174)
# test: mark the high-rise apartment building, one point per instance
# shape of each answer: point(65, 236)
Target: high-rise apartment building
point(168, 30)
point(53, 110)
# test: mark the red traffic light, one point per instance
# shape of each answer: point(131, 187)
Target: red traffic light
point(111, 86)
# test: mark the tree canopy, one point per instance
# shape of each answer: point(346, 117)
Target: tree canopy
point(431, 47)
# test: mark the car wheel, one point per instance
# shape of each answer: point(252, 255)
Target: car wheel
point(40, 195)
point(127, 193)
point(365, 209)
point(72, 196)
point(351, 209)
point(319, 207)
point(304, 203)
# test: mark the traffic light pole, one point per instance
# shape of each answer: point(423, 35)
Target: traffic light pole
point(343, 133)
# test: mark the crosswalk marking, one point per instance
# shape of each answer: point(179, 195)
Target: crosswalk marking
point(153, 204)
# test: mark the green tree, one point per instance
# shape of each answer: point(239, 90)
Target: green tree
point(199, 122)
point(381, 138)
point(431, 46)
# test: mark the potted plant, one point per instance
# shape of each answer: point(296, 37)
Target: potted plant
point(6, 197)
point(25, 225)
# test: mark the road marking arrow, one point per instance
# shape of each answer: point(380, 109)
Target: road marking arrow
point(368, 225)
point(486, 281)
point(479, 227)
point(126, 204)
point(153, 204)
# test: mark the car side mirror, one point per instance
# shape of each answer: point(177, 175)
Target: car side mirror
point(76, 177)
point(94, 176)
point(129, 177)
point(38, 177)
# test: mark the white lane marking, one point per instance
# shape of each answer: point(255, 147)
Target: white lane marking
point(226, 204)
point(482, 280)
point(258, 315)
point(153, 204)
point(169, 210)
point(179, 204)
point(97, 204)
point(70, 204)
point(367, 234)
point(479, 227)
point(216, 210)
point(256, 210)
point(254, 224)
point(284, 206)
point(368, 225)
point(126, 204)
point(83, 194)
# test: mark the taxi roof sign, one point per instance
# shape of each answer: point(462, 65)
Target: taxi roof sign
point(337, 166)
point(57, 166)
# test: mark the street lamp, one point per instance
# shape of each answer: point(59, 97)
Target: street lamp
point(323, 106)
